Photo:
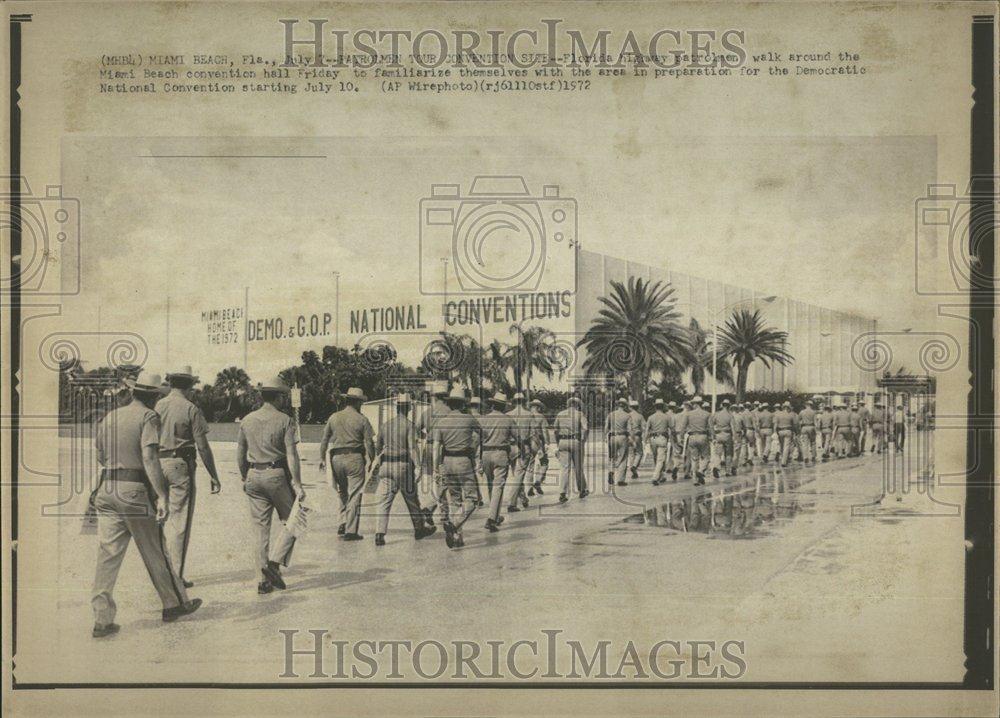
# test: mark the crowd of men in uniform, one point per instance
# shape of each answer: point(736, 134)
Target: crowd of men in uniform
point(147, 446)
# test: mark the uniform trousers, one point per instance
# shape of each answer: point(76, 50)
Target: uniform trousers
point(268, 491)
point(396, 476)
point(349, 478)
point(179, 474)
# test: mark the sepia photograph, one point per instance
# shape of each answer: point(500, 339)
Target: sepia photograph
point(468, 358)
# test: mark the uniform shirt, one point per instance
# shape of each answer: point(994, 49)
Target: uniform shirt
point(824, 420)
point(266, 432)
point(619, 421)
point(428, 416)
point(540, 427)
point(807, 417)
point(123, 433)
point(877, 417)
point(570, 422)
point(497, 428)
point(697, 421)
point(523, 423)
point(899, 416)
point(394, 436)
point(842, 418)
point(722, 421)
point(638, 422)
point(347, 429)
point(181, 422)
point(765, 420)
point(784, 420)
point(658, 423)
point(456, 431)
point(855, 420)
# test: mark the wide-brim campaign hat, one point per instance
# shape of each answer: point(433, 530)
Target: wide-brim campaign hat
point(623, 400)
point(672, 403)
point(725, 402)
point(475, 400)
point(518, 396)
point(633, 402)
point(274, 383)
point(457, 394)
point(574, 399)
point(354, 393)
point(146, 383)
point(658, 402)
point(536, 402)
point(501, 398)
point(183, 372)
point(440, 388)
point(696, 400)
point(402, 399)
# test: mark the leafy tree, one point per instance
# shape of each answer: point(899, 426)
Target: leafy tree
point(531, 352)
point(636, 333)
point(233, 387)
point(746, 338)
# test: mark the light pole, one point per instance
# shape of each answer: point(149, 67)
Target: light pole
point(336, 327)
point(444, 304)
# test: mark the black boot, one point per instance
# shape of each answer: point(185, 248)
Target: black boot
point(272, 573)
point(538, 489)
point(380, 539)
point(562, 498)
point(423, 532)
point(491, 526)
point(428, 517)
point(715, 472)
point(673, 473)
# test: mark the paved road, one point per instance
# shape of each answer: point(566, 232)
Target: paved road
point(789, 567)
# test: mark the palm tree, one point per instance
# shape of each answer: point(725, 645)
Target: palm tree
point(532, 352)
point(496, 362)
point(457, 358)
point(745, 338)
point(635, 333)
point(701, 358)
point(234, 385)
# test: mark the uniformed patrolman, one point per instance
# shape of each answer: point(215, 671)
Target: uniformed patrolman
point(348, 433)
point(765, 429)
point(721, 433)
point(785, 421)
point(523, 454)
point(866, 420)
point(456, 450)
point(855, 423)
point(676, 437)
point(842, 430)
point(759, 408)
point(824, 425)
point(638, 432)
point(183, 432)
point(739, 435)
point(571, 429)
point(498, 442)
point(476, 408)
point(618, 431)
point(396, 462)
point(425, 423)
point(267, 454)
point(807, 433)
point(877, 424)
point(540, 435)
point(132, 503)
point(658, 436)
point(696, 429)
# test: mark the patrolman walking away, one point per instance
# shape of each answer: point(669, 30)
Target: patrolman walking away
point(722, 440)
point(571, 430)
point(539, 433)
point(456, 450)
point(132, 502)
point(396, 463)
point(268, 457)
point(638, 432)
point(618, 430)
point(498, 435)
point(349, 434)
point(524, 454)
point(658, 427)
point(183, 431)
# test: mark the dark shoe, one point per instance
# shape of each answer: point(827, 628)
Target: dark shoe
point(424, 532)
point(352, 537)
point(429, 517)
point(108, 629)
point(623, 483)
point(449, 534)
point(188, 584)
point(715, 473)
point(273, 576)
point(172, 614)
point(562, 498)
point(538, 489)
point(459, 541)
point(264, 587)
point(491, 526)
point(635, 473)
point(341, 529)
point(512, 509)
point(479, 504)
point(673, 474)
point(499, 520)
point(584, 494)
point(524, 502)
point(531, 491)
point(380, 539)
point(700, 481)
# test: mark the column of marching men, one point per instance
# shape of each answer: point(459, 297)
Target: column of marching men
point(147, 446)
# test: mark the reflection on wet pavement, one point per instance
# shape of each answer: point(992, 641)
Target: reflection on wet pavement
point(736, 509)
